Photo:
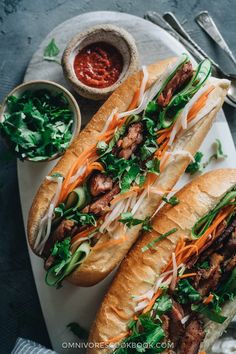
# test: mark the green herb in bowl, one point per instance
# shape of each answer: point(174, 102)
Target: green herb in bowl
point(38, 124)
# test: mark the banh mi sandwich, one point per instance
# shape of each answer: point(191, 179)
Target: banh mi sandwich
point(132, 152)
point(175, 290)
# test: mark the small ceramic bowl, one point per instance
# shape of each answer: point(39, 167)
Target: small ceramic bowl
point(54, 88)
point(113, 35)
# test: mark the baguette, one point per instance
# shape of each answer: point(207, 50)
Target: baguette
point(101, 260)
point(141, 269)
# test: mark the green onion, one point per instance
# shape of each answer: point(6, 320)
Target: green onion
point(158, 239)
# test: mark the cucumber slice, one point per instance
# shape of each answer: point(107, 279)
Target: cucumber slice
point(77, 199)
point(179, 100)
point(54, 279)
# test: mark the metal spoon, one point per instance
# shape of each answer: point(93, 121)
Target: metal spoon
point(175, 24)
point(177, 31)
point(206, 22)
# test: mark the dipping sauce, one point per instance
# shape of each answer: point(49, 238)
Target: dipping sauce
point(98, 65)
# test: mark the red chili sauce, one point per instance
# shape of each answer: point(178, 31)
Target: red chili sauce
point(98, 65)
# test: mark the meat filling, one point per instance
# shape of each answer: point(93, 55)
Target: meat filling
point(100, 184)
point(101, 205)
point(192, 338)
point(176, 328)
point(182, 76)
point(221, 257)
point(130, 142)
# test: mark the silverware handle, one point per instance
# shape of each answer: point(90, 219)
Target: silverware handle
point(193, 49)
point(207, 23)
point(174, 23)
point(157, 19)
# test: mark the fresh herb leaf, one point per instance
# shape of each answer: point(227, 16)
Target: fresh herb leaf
point(82, 218)
point(217, 155)
point(148, 148)
point(204, 265)
point(158, 239)
point(38, 124)
point(152, 108)
point(163, 304)
point(185, 293)
point(198, 165)
point(202, 225)
point(147, 225)
point(219, 150)
point(102, 146)
point(172, 200)
point(51, 52)
point(128, 220)
point(229, 286)
point(129, 177)
point(60, 210)
point(211, 314)
point(77, 330)
point(64, 266)
point(195, 166)
point(155, 336)
point(61, 249)
point(153, 166)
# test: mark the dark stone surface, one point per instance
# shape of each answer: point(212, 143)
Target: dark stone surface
point(23, 25)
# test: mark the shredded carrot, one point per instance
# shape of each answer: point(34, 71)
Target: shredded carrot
point(208, 299)
point(134, 101)
point(91, 167)
point(199, 104)
point(202, 353)
point(135, 318)
point(120, 313)
point(189, 275)
point(165, 130)
point(125, 195)
point(116, 339)
point(150, 179)
point(152, 302)
point(219, 218)
point(162, 137)
point(83, 233)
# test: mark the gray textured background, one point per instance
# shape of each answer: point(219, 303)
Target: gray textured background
point(23, 25)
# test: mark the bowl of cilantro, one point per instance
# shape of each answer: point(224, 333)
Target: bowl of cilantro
point(39, 120)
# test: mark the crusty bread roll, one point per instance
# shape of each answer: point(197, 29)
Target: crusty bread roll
point(101, 262)
point(140, 269)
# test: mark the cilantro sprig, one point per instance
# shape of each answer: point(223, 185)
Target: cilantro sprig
point(128, 220)
point(158, 239)
point(172, 200)
point(198, 165)
point(51, 52)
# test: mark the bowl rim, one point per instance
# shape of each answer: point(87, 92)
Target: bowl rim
point(80, 37)
point(76, 118)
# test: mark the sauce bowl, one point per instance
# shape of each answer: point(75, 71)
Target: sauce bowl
point(112, 35)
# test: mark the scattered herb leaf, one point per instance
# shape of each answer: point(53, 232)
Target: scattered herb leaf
point(185, 293)
point(158, 239)
point(128, 220)
point(172, 200)
point(51, 52)
point(195, 166)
